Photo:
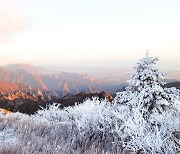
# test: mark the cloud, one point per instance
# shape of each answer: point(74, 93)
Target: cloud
point(11, 21)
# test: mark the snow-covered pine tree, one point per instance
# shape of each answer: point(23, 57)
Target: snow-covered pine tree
point(145, 89)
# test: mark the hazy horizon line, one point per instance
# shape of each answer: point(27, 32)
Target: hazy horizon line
point(84, 66)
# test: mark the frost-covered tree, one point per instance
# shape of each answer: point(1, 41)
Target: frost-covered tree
point(153, 111)
point(145, 89)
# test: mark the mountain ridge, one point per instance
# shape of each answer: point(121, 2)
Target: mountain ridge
point(62, 83)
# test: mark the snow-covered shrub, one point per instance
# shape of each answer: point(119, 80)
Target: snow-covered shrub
point(86, 128)
point(92, 127)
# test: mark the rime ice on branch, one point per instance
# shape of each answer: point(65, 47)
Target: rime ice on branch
point(145, 89)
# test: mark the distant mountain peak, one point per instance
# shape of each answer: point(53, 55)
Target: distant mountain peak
point(32, 69)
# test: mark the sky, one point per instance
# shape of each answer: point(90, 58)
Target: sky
point(89, 32)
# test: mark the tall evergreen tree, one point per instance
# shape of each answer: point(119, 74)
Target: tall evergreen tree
point(145, 89)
